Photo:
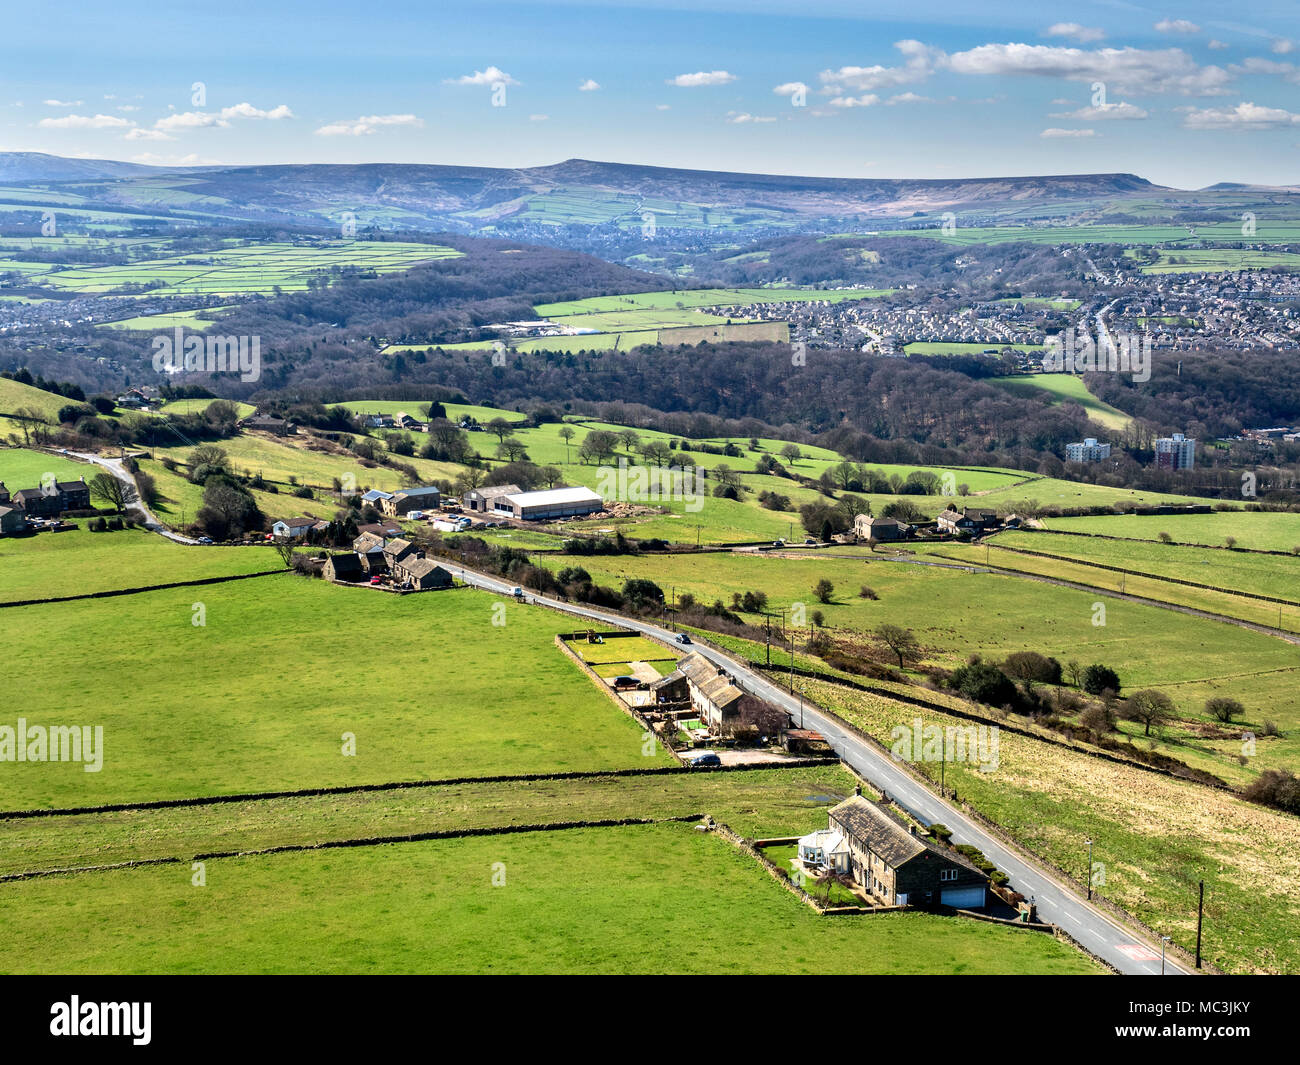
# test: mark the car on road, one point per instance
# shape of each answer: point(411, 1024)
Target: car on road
point(205, 540)
point(518, 593)
point(778, 543)
point(809, 540)
point(703, 761)
point(681, 637)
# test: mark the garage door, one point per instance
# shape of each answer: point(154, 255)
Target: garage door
point(963, 898)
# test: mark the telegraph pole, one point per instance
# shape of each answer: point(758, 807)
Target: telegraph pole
point(1200, 913)
point(1089, 842)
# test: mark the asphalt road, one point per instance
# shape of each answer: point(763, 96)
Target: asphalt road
point(1057, 903)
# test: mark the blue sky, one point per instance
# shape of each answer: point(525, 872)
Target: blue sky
point(1189, 95)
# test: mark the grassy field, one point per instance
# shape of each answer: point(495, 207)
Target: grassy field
point(196, 319)
point(1066, 388)
point(1204, 260)
point(1255, 530)
point(76, 562)
point(1270, 231)
point(23, 468)
point(946, 347)
point(259, 697)
point(612, 900)
point(1155, 836)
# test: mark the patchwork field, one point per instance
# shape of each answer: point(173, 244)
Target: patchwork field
point(188, 723)
point(1254, 530)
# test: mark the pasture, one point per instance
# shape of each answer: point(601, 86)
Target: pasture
point(1065, 388)
point(646, 899)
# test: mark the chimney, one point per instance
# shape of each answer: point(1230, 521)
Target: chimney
point(858, 791)
point(911, 829)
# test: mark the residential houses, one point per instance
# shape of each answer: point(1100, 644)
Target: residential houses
point(714, 695)
point(294, 528)
point(1175, 452)
point(12, 520)
point(971, 521)
point(895, 864)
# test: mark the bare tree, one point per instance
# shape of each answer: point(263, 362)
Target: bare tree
point(1149, 706)
point(901, 641)
point(109, 490)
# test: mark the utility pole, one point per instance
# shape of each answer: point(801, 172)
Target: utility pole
point(1200, 913)
point(1089, 870)
point(1163, 941)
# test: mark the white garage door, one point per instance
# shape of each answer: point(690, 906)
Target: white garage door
point(963, 898)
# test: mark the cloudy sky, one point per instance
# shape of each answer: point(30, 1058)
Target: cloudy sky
point(1184, 95)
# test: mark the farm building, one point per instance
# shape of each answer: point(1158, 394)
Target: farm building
point(398, 550)
point(409, 499)
point(421, 574)
point(38, 504)
point(550, 504)
point(375, 496)
point(899, 867)
point(12, 520)
point(382, 529)
point(869, 528)
point(713, 696)
point(343, 568)
point(268, 424)
point(971, 520)
point(482, 500)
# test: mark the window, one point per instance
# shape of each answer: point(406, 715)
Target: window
point(947, 874)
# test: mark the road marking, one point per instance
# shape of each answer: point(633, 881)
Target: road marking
point(1137, 951)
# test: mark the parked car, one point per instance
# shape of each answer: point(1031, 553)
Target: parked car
point(205, 539)
point(681, 637)
point(625, 682)
point(809, 540)
point(778, 543)
point(704, 761)
point(518, 593)
point(376, 580)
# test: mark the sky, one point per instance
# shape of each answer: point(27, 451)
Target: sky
point(1184, 95)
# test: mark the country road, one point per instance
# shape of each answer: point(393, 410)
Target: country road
point(115, 467)
point(1058, 903)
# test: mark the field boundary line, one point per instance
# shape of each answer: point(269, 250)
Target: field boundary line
point(112, 592)
point(364, 841)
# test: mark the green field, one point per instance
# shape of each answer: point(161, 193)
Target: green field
point(1269, 231)
point(197, 319)
point(1256, 530)
point(944, 347)
point(1066, 388)
point(1204, 260)
point(77, 562)
point(652, 899)
point(242, 267)
point(260, 696)
point(23, 468)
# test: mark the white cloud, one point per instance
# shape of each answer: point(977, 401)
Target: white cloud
point(1128, 70)
point(907, 98)
point(63, 103)
point(1105, 112)
point(247, 110)
point(1075, 32)
point(1283, 47)
point(182, 120)
point(702, 78)
point(919, 65)
point(589, 85)
point(663, 107)
point(173, 160)
point(1217, 45)
point(538, 118)
point(147, 135)
point(128, 107)
point(1245, 116)
point(790, 88)
point(867, 100)
point(84, 122)
point(366, 125)
point(1068, 133)
point(491, 76)
point(1255, 65)
point(741, 117)
point(1176, 25)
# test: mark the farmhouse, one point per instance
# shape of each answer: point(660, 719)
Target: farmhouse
point(382, 529)
point(481, 500)
point(292, 528)
point(12, 520)
point(869, 528)
point(4, 495)
point(899, 867)
point(713, 696)
point(398, 550)
point(76, 494)
point(38, 504)
point(421, 574)
point(969, 520)
point(409, 499)
point(268, 424)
